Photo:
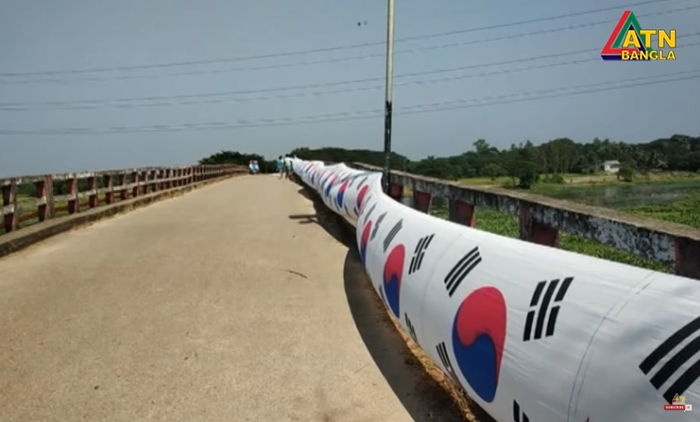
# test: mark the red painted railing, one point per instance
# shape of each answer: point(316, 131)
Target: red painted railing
point(88, 190)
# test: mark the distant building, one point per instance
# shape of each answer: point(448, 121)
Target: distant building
point(611, 166)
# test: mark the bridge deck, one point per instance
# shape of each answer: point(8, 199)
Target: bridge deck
point(227, 303)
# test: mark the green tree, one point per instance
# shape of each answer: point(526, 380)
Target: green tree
point(522, 165)
point(626, 173)
point(235, 157)
point(493, 170)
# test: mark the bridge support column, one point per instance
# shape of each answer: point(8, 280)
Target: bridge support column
point(92, 198)
point(109, 185)
point(422, 201)
point(73, 198)
point(9, 197)
point(533, 231)
point(462, 213)
point(135, 181)
point(396, 191)
point(145, 179)
point(687, 257)
point(44, 192)
point(122, 182)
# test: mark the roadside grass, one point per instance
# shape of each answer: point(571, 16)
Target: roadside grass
point(504, 181)
point(507, 225)
point(27, 204)
point(684, 211)
point(575, 180)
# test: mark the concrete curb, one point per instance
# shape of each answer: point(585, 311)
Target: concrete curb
point(22, 238)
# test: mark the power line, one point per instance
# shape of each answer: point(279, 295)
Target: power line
point(311, 85)
point(377, 113)
point(190, 99)
point(544, 93)
point(319, 50)
point(536, 20)
point(412, 50)
point(126, 105)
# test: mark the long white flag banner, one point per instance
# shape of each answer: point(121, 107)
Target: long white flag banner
point(532, 333)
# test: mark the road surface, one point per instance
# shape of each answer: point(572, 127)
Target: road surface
point(230, 303)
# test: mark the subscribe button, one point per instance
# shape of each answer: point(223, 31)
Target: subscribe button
point(679, 407)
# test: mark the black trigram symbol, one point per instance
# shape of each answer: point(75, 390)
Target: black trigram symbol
point(519, 416)
point(445, 359)
point(371, 210)
point(461, 270)
point(392, 234)
point(353, 179)
point(364, 179)
point(544, 306)
point(377, 224)
point(418, 254)
point(411, 328)
point(667, 370)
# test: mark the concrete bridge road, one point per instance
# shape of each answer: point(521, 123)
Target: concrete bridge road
point(229, 303)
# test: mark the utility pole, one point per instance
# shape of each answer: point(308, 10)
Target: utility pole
point(387, 103)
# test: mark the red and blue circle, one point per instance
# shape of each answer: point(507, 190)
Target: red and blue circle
point(364, 239)
point(478, 339)
point(330, 184)
point(341, 193)
point(393, 274)
point(361, 196)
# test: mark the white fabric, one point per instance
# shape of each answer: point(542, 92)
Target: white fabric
point(469, 295)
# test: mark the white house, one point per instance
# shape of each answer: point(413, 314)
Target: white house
point(611, 166)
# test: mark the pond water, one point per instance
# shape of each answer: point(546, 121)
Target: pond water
point(618, 196)
point(623, 196)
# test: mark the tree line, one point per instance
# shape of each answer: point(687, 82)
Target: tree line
point(524, 163)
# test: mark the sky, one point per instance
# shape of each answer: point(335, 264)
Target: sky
point(95, 84)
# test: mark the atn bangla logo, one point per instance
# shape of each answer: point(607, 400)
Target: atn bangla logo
point(629, 41)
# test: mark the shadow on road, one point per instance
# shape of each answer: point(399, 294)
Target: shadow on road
point(332, 223)
point(423, 398)
point(304, 218)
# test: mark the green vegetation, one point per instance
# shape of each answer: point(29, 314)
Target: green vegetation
point(507, 225)
point(626, 173)
point(525, 164)
point(684, 211)
point(562, 159)
point(243, 159)
point(658, 179)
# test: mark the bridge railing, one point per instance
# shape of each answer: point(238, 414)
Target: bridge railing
point(41, 197)
point(541, 219)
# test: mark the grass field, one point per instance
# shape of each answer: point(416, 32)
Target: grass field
point(27, 204)
point(684, 211)
point(573, 179)
point(507, 225)
point(667, 196)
